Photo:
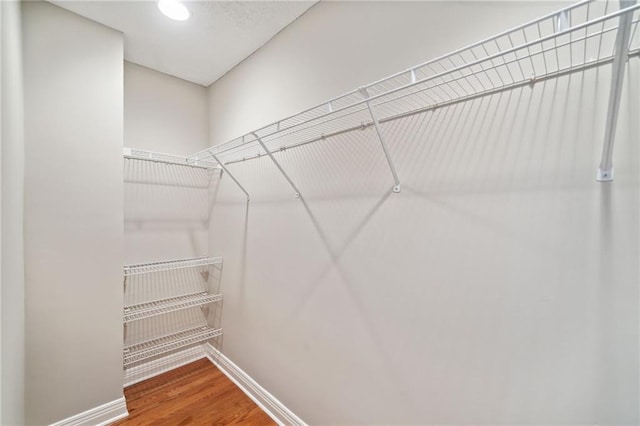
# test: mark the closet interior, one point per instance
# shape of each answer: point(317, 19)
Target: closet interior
point(455, 243)
point(585, 35)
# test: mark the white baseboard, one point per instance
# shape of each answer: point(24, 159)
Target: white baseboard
point(158, 366)
point(99, 416)
point(269, 404)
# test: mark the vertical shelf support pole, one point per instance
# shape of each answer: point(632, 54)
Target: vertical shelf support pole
point(293, 185)
point(605, 171)
point(224, 168)
point(376, 124)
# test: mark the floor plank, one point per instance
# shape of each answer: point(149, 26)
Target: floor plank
point(197, 393)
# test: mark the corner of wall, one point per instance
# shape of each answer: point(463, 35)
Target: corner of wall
point(12, 309)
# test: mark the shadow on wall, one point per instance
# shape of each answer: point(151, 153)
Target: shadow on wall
point(526, 140)
point(166, 210)
point(493, 248)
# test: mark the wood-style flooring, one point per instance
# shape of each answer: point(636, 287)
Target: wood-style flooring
point(195, 394)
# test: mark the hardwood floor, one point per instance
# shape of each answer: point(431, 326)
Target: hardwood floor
point(195, 394)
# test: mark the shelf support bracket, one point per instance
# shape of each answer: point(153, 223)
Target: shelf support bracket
point(224, 168)
point(376, 124)
point(286, 176)
point(562, 21)
point(605, 171)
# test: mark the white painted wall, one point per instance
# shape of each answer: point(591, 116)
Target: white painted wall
point(500, 286)
point(163, 113)
point(73, 78)
point(12, 308)
point(166, 207)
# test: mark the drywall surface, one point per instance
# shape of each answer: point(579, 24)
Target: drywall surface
point(163, 113)
point(500, 285)
point(73, 212)
point(12, 267)
point(166, 206)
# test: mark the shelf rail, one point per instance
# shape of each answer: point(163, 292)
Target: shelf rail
point(170, 265)
point(164, 306)
point(158, 157)
point(145, 350)
point(578, 37)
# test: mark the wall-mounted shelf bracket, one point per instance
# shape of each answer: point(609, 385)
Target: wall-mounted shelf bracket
point(224, 168)
point(620, 56)
point(376, 124)
point(562, 21)
point(293, 185)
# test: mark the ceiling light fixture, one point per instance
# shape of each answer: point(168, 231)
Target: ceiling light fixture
point(174, 9)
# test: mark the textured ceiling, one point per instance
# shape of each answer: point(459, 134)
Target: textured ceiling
point(217, 37)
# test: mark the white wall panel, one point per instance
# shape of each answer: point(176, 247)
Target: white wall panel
point(73, 212)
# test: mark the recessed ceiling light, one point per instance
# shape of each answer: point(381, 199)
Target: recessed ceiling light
point(174, 9)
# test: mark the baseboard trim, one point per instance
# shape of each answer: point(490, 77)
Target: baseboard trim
point(158, 366)
point(99, 416)
point(269, 404)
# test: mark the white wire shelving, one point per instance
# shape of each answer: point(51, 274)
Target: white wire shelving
point(165, 306)
point(158, 157)
point(170, 265)
point(585, 35)
point(154, 277)
point(161, 345)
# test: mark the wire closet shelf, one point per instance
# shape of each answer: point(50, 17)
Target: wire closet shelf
point(158, 157)
point(169, 265)
point(145, 350)
point(575, 38)
point(165, 306)
point(195, 296)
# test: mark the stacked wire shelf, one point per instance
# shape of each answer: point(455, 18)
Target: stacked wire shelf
point(161, 345)
point(165, 306)
point(175, 276)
